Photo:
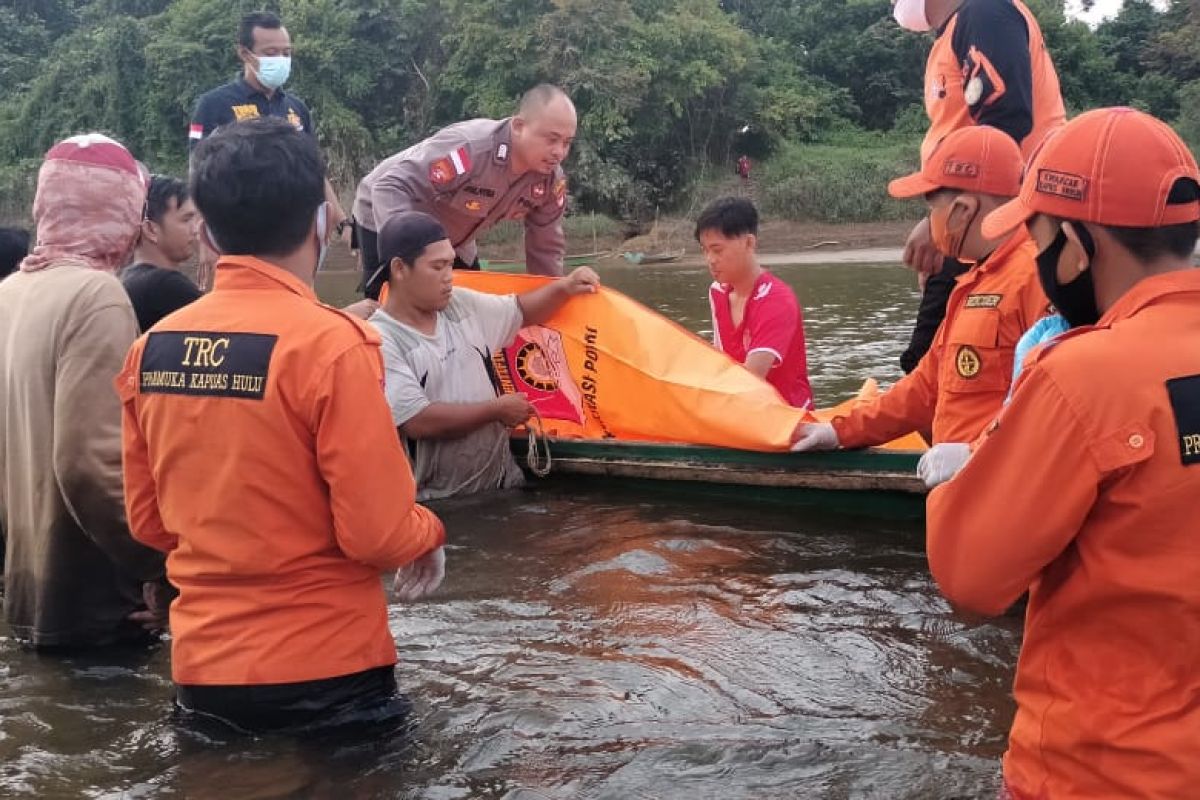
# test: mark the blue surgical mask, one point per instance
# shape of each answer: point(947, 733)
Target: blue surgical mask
point(273, 71)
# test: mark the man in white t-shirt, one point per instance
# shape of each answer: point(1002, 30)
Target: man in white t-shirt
point(437, 344)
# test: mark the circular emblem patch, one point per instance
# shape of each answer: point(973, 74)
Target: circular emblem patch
point(968, 362)
point(974, 91)
point(534, 368)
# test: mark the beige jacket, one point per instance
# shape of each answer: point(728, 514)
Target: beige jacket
point(73, 573)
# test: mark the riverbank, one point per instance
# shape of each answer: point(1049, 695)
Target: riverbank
point(779, 241)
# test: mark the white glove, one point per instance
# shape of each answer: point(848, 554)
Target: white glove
point(421, 576)
point(812, 436)
point(942, 462)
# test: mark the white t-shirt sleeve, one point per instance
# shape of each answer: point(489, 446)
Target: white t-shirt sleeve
point(405, 395)
point(497, 317)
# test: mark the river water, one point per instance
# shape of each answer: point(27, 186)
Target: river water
point(607, 645)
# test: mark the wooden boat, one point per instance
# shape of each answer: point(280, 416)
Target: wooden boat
point(643, 259)
point(869, 482)
point(569, 262)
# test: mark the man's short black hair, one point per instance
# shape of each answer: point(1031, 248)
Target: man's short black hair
point(14, 246)
point(1151, 244)
point(258, 183)
point(256, 19)
point(732, 216)
point(158, 197)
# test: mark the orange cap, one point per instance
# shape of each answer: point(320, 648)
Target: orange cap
point(976, 159)
point(1111, 166)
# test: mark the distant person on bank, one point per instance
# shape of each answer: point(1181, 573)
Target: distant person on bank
point(260, 456)
point(474, 174)
point(437, 342)
point(74, 576)
point(166, 242)
point(756, 318)
point(988, 66)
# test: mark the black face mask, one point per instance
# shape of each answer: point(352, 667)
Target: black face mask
point(1076, 300)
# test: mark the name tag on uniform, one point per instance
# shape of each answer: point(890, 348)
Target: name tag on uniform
point(984, 300)
point(1185, 402)
point(207, 364)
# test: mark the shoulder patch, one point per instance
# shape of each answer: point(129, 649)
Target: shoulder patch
point(1184, 394)
point(207, 364)
point(501, 156)
point(450, 166)
point(441, 172)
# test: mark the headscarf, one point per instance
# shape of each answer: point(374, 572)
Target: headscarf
point(91, 194)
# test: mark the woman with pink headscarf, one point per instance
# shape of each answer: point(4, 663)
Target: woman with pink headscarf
point(74, 577)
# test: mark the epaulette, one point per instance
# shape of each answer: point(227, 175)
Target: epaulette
point(364, 329)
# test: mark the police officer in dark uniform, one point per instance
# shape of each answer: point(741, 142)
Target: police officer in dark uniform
point(265, 50)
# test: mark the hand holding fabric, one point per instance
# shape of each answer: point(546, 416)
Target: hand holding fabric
point(814, 436)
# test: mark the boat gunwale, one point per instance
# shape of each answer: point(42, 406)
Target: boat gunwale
point(857, 470)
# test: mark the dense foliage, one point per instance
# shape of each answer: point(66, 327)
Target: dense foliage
point(664, 87)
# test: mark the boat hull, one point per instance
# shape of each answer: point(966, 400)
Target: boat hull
point(868, 482)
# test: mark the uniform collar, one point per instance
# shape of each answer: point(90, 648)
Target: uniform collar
point(998, 257)
point(1148, 291)
point(250, 93)
point(246, 272)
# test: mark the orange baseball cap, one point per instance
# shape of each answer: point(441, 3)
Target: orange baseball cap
point(975, 159)
point(1111, 166)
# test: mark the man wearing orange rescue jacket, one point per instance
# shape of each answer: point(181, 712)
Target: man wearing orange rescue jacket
point(988, 66)
point(259, 454)
point(1086, 491)
point(961, 383)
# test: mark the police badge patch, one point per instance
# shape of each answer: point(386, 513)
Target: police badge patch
point(441, 172)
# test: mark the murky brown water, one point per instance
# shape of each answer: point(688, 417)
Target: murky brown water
point(608, 646)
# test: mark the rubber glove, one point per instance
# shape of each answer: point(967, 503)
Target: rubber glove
point(942, 462)
point(812, 436)
point(421, 576)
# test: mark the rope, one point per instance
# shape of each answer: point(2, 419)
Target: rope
point(539, 462)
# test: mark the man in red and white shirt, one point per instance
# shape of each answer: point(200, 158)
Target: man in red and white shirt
point(757, 320)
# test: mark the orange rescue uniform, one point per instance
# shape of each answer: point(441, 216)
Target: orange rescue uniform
point(989, 66)
point(259, 453)
point(1086, 492)
point(961, 383)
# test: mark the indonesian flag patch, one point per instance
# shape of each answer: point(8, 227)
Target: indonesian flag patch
point(196, 131)
point(450, 166)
